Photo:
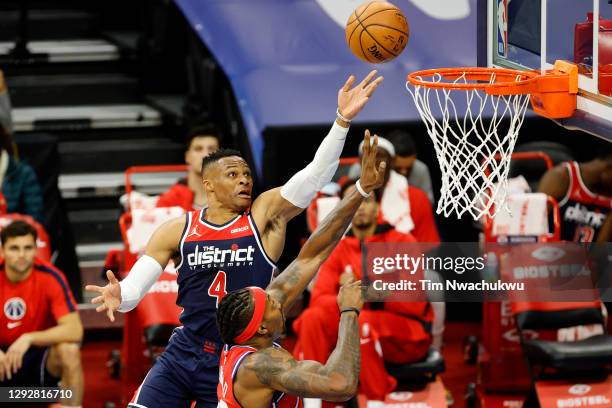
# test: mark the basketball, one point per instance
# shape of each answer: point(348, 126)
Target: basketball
point(377, 32)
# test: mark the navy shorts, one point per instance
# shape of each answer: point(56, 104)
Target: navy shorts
point(184, 372)
point(33, 371)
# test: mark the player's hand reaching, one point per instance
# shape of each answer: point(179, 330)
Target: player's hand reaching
point(372, 175)
point(347, 276)
point(110, 296)
point(351, 295)
point(352, 100)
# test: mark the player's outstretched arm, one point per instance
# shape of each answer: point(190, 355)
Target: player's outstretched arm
point(292, 198)
point(294, 279)
point(336, 380)
point(125, 295)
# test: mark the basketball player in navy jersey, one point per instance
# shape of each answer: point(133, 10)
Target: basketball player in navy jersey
point(257, 372)
point(230, 245)
point(584, 192)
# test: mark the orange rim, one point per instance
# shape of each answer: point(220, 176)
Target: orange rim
point(552, 92)
point(507, 81)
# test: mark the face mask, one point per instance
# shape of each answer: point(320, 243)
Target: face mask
point(6, 119)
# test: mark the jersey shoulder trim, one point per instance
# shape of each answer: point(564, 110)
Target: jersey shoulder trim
point(217, 227)
point(576, 177)
point(59, 278)
point(248, 351)
point(188, 218)
point(569, 166)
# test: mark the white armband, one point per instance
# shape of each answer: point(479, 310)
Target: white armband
point(304, 185)
point(135, 286)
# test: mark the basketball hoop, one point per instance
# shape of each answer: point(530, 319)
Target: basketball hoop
point(452, 103)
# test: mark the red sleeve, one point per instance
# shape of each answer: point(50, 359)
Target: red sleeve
point(328, 280)
point(425, 229)
point(178, 195)
point(167, 199)
point(60, 297)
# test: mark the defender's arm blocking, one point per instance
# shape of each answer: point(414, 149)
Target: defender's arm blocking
point(292, 282)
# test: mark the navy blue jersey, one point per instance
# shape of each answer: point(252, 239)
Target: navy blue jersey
point(215, 260)
point(583, 212)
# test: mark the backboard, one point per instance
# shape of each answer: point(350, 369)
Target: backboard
point(533, 34)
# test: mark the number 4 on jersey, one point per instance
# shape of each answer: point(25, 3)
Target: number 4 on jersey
point(217, 287)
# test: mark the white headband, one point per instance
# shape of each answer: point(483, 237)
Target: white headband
point(382, 143)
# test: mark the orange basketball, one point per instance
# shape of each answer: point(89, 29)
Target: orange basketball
point(377, 31)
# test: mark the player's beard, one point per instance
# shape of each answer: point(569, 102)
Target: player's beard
point(362, 224)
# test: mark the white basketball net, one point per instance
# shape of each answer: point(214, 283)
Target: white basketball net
point(473, 180)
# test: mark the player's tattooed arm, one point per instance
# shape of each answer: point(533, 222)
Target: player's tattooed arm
point(334, 381)
point(294, 279)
